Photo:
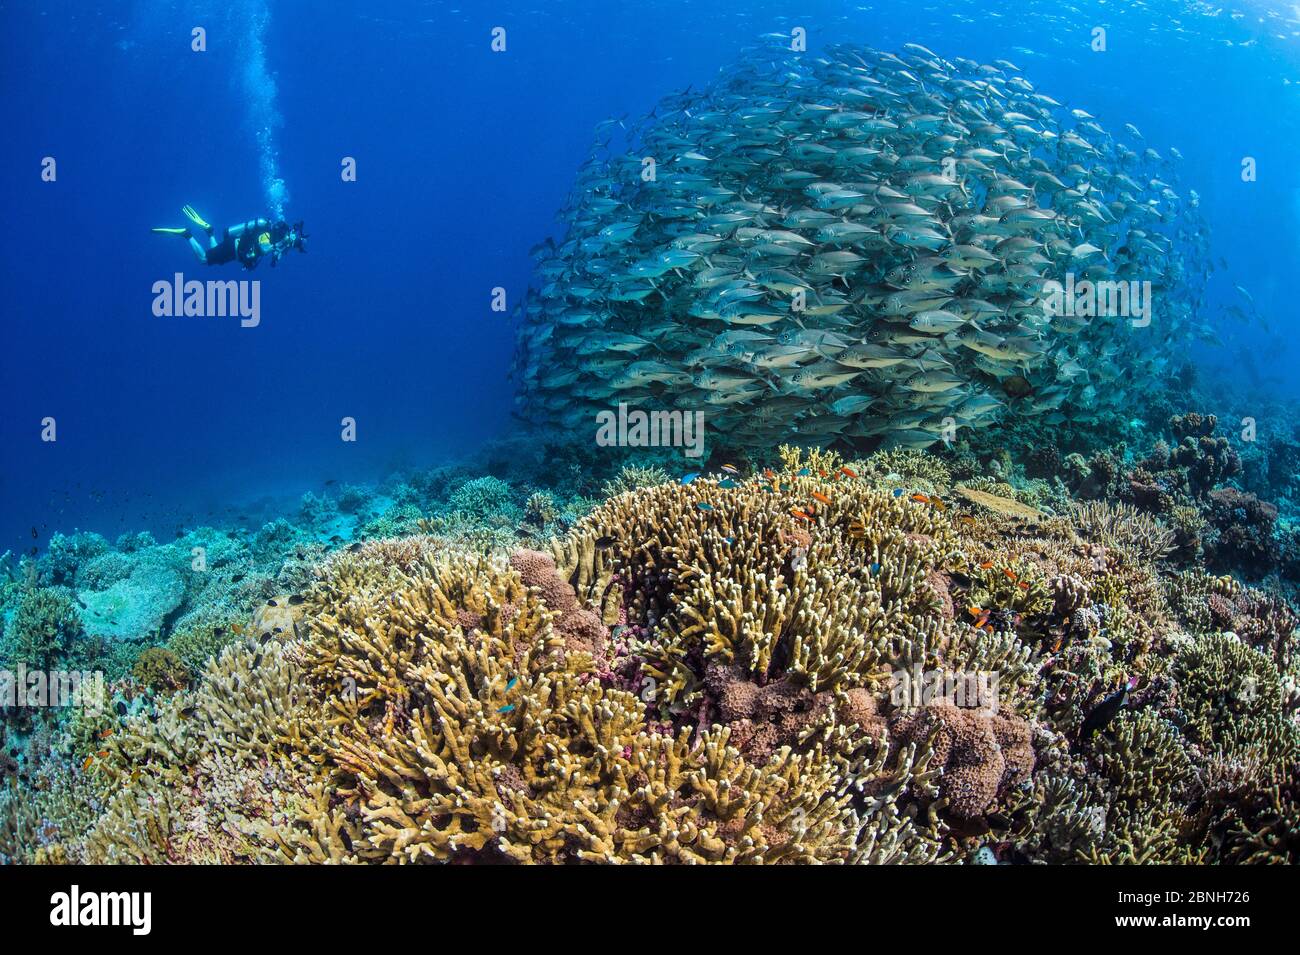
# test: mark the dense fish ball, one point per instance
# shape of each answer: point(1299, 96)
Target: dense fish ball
point(862, 246)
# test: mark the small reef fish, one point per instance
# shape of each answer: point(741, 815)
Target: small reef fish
point(1104, 712)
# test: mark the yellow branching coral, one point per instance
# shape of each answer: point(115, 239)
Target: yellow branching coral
point(211, 773)
point(471, 730)
point(796, 575)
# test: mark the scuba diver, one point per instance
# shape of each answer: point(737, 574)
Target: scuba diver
point(247, 242)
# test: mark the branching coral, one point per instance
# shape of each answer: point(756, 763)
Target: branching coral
point(1230, 697)
point(468, 728)
point(1123, 526)
point(45, 632)
point(701, 671)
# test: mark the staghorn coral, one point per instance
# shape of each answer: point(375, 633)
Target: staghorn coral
point(207, 775)
point(906, 467)
point(472, 731)
point(1122, 526)
point(796, 458)
point(1261, 826)
point(728, 574)
point(634, 477)
point(1262, 620)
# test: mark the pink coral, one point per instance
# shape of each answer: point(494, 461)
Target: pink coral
point(982, 756)
point(581, 628)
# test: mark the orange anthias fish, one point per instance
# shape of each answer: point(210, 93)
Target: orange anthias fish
point(817, 495)
point(106, 734)
point(1010, 575)
point(966, 519)
point(800, 514)
point(848, 471)
point(86, 765)
point(920, 498)
point(986, 565)
point(1022, 585)
point(769, 473)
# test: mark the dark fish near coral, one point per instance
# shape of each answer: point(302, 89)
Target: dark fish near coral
point(1104, 712)
point(605, 543)
point(296, 599)
point(1017, 386)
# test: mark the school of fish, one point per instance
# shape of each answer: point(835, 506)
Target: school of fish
point(856, 246)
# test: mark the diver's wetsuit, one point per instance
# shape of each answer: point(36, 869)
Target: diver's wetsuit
point(237, 243)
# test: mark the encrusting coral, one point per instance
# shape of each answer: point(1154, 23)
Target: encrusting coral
point(725, 669)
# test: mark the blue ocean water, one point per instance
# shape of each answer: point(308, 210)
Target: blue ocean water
point(463, 157)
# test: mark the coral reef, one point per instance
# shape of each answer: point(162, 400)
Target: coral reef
point(767, 665)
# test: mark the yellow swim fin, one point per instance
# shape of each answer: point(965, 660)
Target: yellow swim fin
point(196, 218)
point(163, 230)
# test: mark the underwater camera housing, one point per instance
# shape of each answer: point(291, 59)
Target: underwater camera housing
point(286, 238)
